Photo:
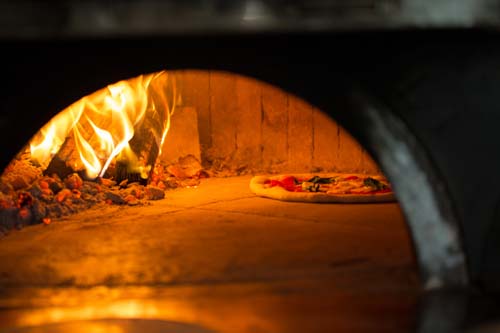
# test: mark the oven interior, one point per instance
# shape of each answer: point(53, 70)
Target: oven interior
point(202, 136)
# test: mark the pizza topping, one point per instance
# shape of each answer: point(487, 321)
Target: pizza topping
point(319, 180)
point(318, 184)
point(341, 188)
point(331, 185)
point(289, 183)
point(375, 184)
point(310, 186)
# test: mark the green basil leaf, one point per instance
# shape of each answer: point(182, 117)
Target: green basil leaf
point(319, 180)
point(373, 183)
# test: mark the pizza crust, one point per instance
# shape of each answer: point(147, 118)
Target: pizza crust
point(257, 186)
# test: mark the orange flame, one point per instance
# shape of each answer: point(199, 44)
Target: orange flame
point(103, 123)
point(47, 142)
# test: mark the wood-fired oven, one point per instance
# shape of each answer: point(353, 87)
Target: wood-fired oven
point(399, 88)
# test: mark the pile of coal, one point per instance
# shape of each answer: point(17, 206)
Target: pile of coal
point(29, 197)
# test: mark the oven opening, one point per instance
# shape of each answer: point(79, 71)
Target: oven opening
point(138, 195)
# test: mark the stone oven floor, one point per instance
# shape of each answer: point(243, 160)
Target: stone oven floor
point(214, 258)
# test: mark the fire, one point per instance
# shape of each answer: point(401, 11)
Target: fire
point(47, 142)
point(103, 124)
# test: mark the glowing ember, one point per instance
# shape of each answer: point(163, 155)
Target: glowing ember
point(103, 123)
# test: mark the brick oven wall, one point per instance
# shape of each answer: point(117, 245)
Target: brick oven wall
point(250, 125)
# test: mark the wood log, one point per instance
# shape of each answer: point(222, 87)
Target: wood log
point(66, 161)
point(144, 144)
point(146, 141)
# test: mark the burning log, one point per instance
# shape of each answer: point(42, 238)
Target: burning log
point(66, 161)
point(149, 134)
point(137, 165)
point(59, 167)
point(93, 133)
point(117, 131)
point(138, 168)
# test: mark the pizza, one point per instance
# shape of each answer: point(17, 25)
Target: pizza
point(335, 187)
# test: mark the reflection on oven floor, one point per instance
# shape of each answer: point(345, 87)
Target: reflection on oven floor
point(216, 257)
point(114, 326)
